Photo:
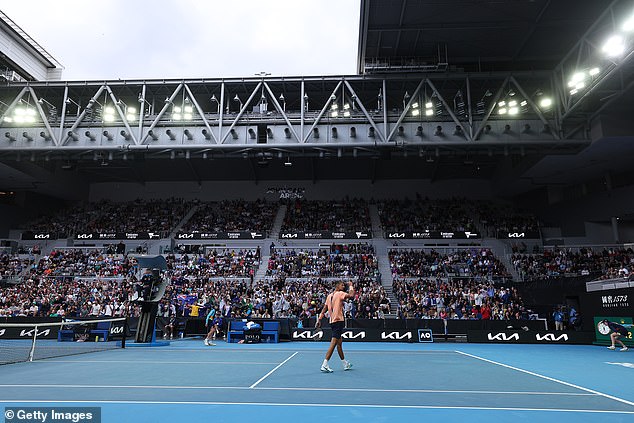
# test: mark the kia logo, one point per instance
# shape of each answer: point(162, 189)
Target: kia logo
point(306, 334)
point(350, 335)
point(396, 235)
point(396, 336)
point(516, 235)
point(551, 337)
point(503, 337)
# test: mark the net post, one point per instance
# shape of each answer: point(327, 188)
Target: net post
point(32, 352)
point(125, 331)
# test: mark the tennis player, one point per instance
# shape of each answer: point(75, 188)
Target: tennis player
point(617, 332)
point(334, 307)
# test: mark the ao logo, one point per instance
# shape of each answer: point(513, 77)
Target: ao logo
point(503, 337)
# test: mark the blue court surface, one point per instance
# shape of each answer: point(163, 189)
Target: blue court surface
point(187, 381)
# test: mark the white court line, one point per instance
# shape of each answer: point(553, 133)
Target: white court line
point(271, 372)
point(274, 350)
point(241, 363)
point(264, 404)
point(400, 391)
point(592, 391)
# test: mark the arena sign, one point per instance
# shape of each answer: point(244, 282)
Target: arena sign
point(100, 236)
point(219, 235)
point(433, 235)
point(326, 235)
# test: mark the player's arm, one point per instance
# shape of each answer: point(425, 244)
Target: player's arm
point(351, 292)
point(321, 315)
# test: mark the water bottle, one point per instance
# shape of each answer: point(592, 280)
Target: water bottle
point(181, 335)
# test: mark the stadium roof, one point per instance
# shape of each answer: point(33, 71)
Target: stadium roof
point(22, 58)
point(471, 35)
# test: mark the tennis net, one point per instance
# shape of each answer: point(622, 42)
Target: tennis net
point(21, 342)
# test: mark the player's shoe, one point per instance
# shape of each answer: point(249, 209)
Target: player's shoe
point(611, 347)
point(624, 349)
point(326, 369)
point(347, 365)
point(206, 342)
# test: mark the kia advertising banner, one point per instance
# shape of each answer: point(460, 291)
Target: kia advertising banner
point(96, 236)
point(518, 235)
point(187, 236)
point(28, 333)
point(529, 337)
point(362, 335)
point(31, 236)
point(326, 235)
point(433, 235)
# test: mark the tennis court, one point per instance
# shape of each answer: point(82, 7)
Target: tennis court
point(282, 382)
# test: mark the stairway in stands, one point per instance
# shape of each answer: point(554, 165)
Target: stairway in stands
point(273, 236)
point(381, 247)
point(501, 250)
point(184, 220)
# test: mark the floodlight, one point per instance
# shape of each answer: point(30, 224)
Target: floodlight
point(594, 71)
point(502, 110)
point(614, 46)
point(513, 110)
point(415, 112)
point(545, 103)
point(429, 105)
point(429, 112)
point(628, 25)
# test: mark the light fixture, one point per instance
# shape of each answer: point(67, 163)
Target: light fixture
point(188, 135)
point(419, 131)
point(153, 135)
point(628, 25)
point(215, 100)
point(90, 136)
point(9, 136)
point(614, 46)
point(288, 162)
point(287, 133)
point(283, 100)
point(126, 136)
point(108, 135)
point(438, 131)
point(545, 103)
point(236, 98)
point(315, 133)
point(206, 134)
point(353, 132)
point(170, 135)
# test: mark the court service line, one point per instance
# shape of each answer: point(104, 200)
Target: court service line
point(552, 379)
point(400, 391)
point(8, 402)
point(271, 372)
